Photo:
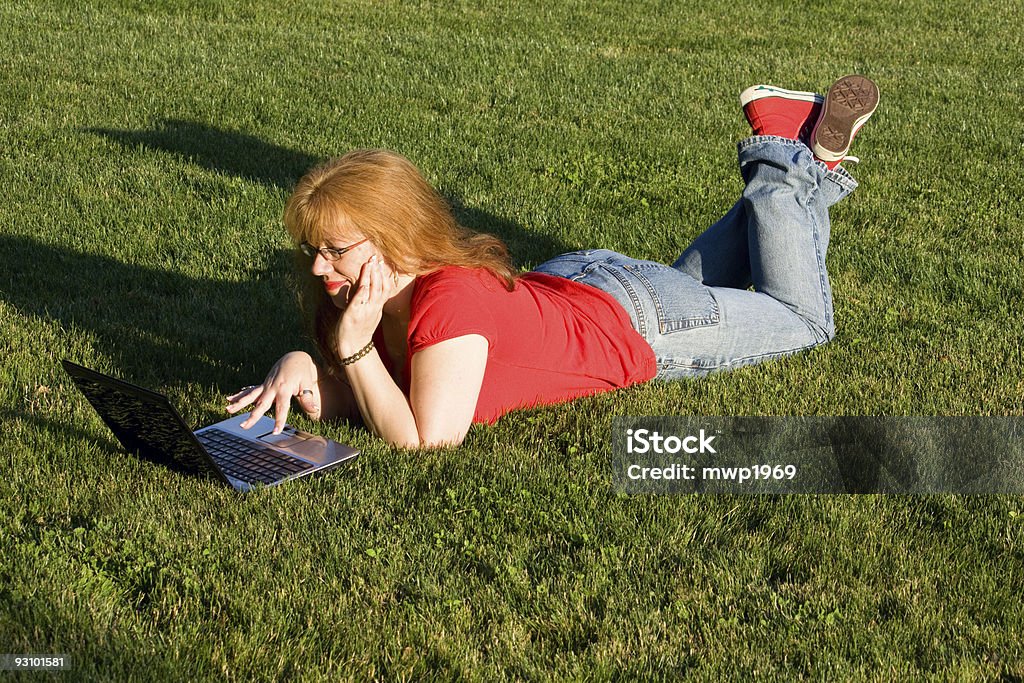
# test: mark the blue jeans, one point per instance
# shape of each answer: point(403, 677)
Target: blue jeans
point(699, 314)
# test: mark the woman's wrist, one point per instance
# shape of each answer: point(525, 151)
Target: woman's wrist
point(349, 344)
point(348, 355)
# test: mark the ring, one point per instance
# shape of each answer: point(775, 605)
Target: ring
point(306, 391)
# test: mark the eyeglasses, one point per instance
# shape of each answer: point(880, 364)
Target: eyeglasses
point(329, 253)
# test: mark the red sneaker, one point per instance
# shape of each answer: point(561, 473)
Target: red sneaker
point(850, 102)
point(776, 111)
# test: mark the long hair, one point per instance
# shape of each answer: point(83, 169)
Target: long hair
point(382, 196)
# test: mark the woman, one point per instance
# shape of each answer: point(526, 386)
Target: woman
point(425, 327)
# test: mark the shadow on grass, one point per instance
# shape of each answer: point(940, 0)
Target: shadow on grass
point(239, 154)
point(221, 151)
point(60, 431)
point(157, 326)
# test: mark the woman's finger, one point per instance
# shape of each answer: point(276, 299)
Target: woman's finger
point(363, 284)
point(378, 279)
point(308, 402)
point(243, 391)
point(260, 407)
point(374, 286)
point(242, 398)
point(369, 295)
point(281, 405)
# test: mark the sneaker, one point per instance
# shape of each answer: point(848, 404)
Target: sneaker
point(849, 103)
point(776, 111)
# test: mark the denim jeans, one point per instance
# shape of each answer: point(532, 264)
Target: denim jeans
point(699, 314)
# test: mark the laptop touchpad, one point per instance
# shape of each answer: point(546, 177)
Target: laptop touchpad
point(282, 440)
point(313, 449)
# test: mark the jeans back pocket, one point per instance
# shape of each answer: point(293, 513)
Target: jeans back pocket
point(659, 299)
point(679, 301)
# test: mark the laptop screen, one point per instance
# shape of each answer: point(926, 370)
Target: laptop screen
point(143, 421)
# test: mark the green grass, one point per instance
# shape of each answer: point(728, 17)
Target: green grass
point(147, 150)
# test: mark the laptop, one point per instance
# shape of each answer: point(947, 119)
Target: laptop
point(148, 425)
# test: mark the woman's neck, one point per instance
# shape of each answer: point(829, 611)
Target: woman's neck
point(397, 309)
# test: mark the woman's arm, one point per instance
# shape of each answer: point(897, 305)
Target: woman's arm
point(444, 387)
point(296, 375)
point(336, 399)
point(445, 382)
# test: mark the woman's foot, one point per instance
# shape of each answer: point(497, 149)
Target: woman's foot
point(849, 103)
point(776, 111)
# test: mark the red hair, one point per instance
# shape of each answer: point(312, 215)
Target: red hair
point(382, 196)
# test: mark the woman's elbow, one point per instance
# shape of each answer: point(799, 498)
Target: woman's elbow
point(426, 441)
point(439, 439)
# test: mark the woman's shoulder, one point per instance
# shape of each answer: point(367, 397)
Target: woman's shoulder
point(456, 279)
point(454, 301)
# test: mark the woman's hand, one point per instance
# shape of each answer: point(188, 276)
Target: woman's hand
point(294, 375)
point(365, 307)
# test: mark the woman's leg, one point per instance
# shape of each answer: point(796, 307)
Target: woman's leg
point(719, 256)
point(698, 315)
point(786, 202)
point(786, 223)
point(694, 328)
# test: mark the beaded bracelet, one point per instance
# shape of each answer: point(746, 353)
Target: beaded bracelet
point(357, 355)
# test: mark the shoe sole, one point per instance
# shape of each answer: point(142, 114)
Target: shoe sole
point(850, 102)
point(756, 92)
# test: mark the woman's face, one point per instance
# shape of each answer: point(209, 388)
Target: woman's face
point(341, 275)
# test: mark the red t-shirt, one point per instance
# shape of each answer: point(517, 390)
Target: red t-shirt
point(549, 340)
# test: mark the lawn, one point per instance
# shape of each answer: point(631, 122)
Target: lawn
point(146, 152)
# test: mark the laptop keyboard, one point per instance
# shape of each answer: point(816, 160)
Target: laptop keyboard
point(247, 460)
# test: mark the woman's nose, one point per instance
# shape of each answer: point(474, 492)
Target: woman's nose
point(321, 266)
